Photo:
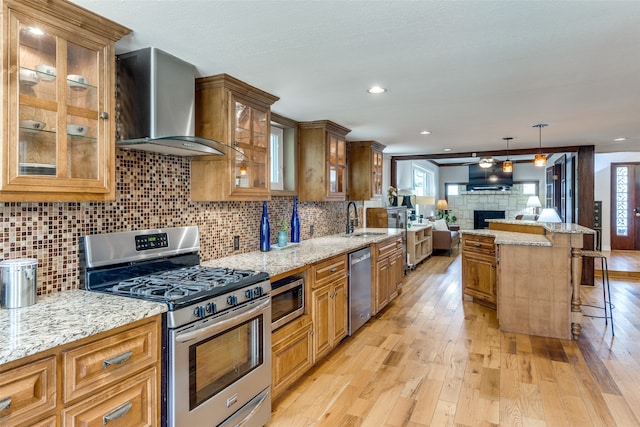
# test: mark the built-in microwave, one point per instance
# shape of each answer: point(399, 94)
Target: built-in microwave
point(287, 300)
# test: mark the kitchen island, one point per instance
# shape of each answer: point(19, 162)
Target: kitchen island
point(531, 270)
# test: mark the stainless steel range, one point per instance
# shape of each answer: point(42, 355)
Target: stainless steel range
point(217, 335)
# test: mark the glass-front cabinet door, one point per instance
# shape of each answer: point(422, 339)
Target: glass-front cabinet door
point(337, 166)
point(251, 142)
point(58, 145)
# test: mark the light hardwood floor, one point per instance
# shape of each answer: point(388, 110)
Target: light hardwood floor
point(432, 359)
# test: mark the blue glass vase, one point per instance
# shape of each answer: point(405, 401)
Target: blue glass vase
point(295, 222)
point(265, 231)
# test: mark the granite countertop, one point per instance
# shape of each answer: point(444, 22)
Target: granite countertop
point(511, 238)
point(280, 261)
point(417, 227)
point(549, 226)
point(63, 317)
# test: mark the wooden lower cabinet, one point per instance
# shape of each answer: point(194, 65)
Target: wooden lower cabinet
point(292, 353)
point(329, 308)
point(388, 272)
point(479, 264)
point(28, 392)
point(112, 378)
point(129, 403)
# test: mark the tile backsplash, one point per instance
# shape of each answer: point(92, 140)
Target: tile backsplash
point(152, 191)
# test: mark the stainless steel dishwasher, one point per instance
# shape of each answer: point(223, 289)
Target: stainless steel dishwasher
point(359, 288)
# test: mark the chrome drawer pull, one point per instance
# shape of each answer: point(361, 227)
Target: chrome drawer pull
point(477, 245)
point(119, 412)
point(117, 360)
point(334, 269)
point(5, 403)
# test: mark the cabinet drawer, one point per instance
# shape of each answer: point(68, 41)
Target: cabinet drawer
point(329, 270)
point(387, 247)
point(103, 362)
point(481, 244)
point(27, 392)
point(131, 403)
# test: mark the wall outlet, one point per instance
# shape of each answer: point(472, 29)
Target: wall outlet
point(236, 243)
point(311, 230)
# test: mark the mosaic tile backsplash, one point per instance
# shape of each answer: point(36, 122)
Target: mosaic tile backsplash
point(151, 191)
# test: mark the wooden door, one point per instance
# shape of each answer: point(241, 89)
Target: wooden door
point(560, 180)
point(340, 311)
point(320, 314)
point(625, 206)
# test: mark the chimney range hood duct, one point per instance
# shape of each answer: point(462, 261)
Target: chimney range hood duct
point(156, 93)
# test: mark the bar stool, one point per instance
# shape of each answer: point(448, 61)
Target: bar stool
point(606, 291)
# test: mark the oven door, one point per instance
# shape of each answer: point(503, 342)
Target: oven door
point(221, 365)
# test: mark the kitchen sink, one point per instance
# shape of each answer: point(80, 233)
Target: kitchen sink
point(365, 234)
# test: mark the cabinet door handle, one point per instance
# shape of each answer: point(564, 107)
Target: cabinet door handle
point(334, 269)
point(104, 115)
point(117, 360)
point(119, 412)
point(5, 403)
point(477, 245)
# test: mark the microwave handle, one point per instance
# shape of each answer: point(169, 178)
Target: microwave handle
point(223, 325)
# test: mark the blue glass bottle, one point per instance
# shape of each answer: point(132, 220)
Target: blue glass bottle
point(295, 222)
point(265, 231)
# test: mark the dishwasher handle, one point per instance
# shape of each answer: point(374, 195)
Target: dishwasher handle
point(356, 260)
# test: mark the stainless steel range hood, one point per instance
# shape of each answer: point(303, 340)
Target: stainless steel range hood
point(156, 94)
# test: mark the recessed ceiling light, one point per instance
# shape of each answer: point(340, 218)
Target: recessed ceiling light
point(425, 132)
point(376, 90)
point(447, 149)
point(620, 139)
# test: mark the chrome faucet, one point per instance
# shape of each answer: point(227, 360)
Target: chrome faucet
point(351, 223)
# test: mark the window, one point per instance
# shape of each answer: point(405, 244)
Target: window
point(622, 188)
point(452, 189)
point(277, 158)
point(423, 182)
point(530, 188)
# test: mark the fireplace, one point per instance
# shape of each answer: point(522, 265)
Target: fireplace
point(480, 216)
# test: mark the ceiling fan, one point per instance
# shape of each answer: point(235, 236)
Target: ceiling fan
point(483, 162)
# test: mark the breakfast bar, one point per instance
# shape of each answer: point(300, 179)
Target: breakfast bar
point(530, 272)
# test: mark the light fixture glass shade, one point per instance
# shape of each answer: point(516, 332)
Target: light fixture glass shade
point(549, 215)
point(533, 202)
point(507, 166)
point(485, 163)
point(540, 160)
point(442, 205)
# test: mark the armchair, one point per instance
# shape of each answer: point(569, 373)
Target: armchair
point(443, 238)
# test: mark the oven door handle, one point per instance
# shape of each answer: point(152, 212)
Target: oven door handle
point(221, 326)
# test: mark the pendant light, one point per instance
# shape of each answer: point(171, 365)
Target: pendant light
point(540, 159)
point(507, 165)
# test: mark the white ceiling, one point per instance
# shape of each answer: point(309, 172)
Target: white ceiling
point(471, 72)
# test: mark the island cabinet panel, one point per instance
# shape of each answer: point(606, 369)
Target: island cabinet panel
point(112, 378)
point(323, 161)
point(292, 353)
point(479, 265)
point(58, 96)
point(535, 290)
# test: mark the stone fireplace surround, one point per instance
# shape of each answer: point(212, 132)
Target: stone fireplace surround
point(512, 202)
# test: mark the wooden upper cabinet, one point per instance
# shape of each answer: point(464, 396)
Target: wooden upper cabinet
point(238, 115)
point(58, 128)
point(323, 161)
point(365, 170)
